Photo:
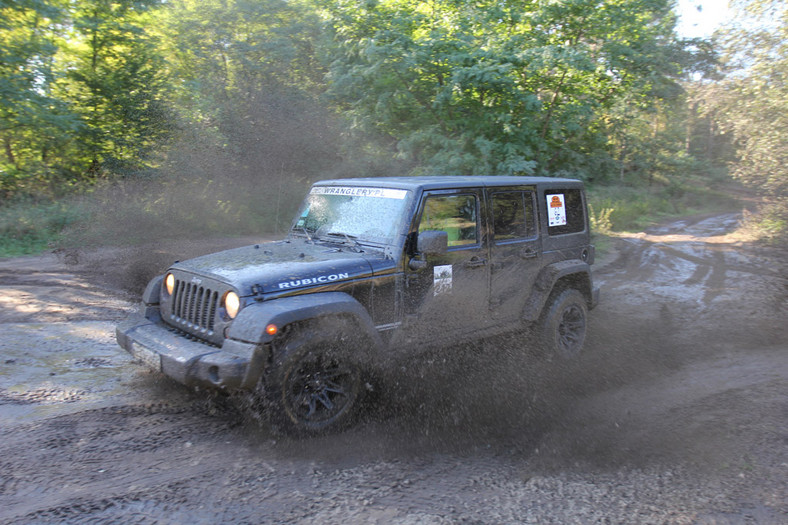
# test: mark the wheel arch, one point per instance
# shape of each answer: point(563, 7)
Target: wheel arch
point(285, 312)
point(555, 278)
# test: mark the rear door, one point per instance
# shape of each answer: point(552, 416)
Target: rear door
point(515, 249)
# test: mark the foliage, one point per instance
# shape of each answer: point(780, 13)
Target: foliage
point(219, 112)
point(536, 87)
point(28, 226)
point(751, 103)
point(615, 208)
point(81, 93)
point(32, 120)
point(248, 93)
point(114, 79)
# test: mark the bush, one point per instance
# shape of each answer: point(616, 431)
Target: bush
point(624, 208)
point(28, 226)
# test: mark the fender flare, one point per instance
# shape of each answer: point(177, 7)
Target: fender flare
point(545, 282)
point(249, 326)
point(150, 297)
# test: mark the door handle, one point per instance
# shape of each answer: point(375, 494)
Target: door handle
point(528, 253)
point(475, 262)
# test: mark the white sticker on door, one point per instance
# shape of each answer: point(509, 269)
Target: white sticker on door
point(556, 210)
point(442, 279)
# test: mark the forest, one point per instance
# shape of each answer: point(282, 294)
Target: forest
point(126, 120)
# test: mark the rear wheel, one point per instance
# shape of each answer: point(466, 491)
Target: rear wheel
point(314, 385)
point(563, 324)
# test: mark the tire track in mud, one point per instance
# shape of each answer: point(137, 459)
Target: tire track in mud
point(690, 273)
point(41, 395)
point(106, 452)
point(225, 474)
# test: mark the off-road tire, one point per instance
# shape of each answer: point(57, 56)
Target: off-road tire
point(313, 385)
point(563, 325)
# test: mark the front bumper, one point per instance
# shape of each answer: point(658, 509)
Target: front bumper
point(236, 365)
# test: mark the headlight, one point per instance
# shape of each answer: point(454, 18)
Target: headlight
point(232, 303)
point(169, 283)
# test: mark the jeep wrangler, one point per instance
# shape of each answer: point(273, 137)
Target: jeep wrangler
point(372, 270)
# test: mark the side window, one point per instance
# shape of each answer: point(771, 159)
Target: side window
point(564, 212)
point(454, 214)
point(513, 215)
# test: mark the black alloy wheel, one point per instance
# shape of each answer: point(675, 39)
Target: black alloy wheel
point(318, 389)
point(564, 324)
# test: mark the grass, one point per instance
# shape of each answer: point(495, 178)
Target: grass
point(622, 208)
point(29, 227)
point(626, 208)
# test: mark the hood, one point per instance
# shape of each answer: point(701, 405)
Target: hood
point(284, 265)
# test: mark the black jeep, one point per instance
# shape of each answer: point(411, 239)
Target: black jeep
point(372, 271)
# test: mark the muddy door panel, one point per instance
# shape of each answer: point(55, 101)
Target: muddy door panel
point(449, 294)
point(516, 251)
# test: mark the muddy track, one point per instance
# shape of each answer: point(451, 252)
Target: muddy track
point(677, 413)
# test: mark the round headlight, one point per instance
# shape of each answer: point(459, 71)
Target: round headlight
point(169, 283)
point(232, 303)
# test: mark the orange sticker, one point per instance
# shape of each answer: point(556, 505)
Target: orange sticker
point(556, 202)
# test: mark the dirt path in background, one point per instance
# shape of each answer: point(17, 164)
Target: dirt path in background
point(677, 412)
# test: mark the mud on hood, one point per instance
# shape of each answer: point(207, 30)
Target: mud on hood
point(280, 266)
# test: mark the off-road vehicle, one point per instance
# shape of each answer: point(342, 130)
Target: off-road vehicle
point(372, 271)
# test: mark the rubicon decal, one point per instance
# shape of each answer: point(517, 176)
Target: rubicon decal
point(314, 280)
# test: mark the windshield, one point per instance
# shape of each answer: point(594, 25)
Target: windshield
point(346, 212)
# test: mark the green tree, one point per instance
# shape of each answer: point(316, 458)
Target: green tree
point(751, 102)
point(82, 92)
point(251, 126)
point(117, 83)
point(32, 119)
point(248, 87)
point(502, 86)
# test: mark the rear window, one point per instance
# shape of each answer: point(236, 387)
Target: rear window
point(564, 212)
point(513, 215)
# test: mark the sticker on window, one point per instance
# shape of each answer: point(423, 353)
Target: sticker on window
point(442, 279)
point(556, 210)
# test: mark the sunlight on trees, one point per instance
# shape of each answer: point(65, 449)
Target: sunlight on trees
point(751, 102)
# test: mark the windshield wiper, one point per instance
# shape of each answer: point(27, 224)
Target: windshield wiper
point(349, 240)
point(306, 232)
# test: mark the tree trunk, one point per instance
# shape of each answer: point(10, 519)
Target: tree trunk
point(9, 152)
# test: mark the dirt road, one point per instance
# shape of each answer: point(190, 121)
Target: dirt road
point(677, 412)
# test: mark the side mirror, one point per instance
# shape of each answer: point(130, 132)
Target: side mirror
point(433, 242)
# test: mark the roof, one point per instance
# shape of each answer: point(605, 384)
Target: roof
point(448, 181)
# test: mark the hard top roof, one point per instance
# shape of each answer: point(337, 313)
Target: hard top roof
point(449, 181)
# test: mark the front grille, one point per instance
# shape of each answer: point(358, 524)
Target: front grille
point(194, 307)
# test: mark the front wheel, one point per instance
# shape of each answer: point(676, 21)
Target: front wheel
point(314, 386)
point(563, 324)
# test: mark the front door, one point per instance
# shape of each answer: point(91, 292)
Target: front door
point(449, 296)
